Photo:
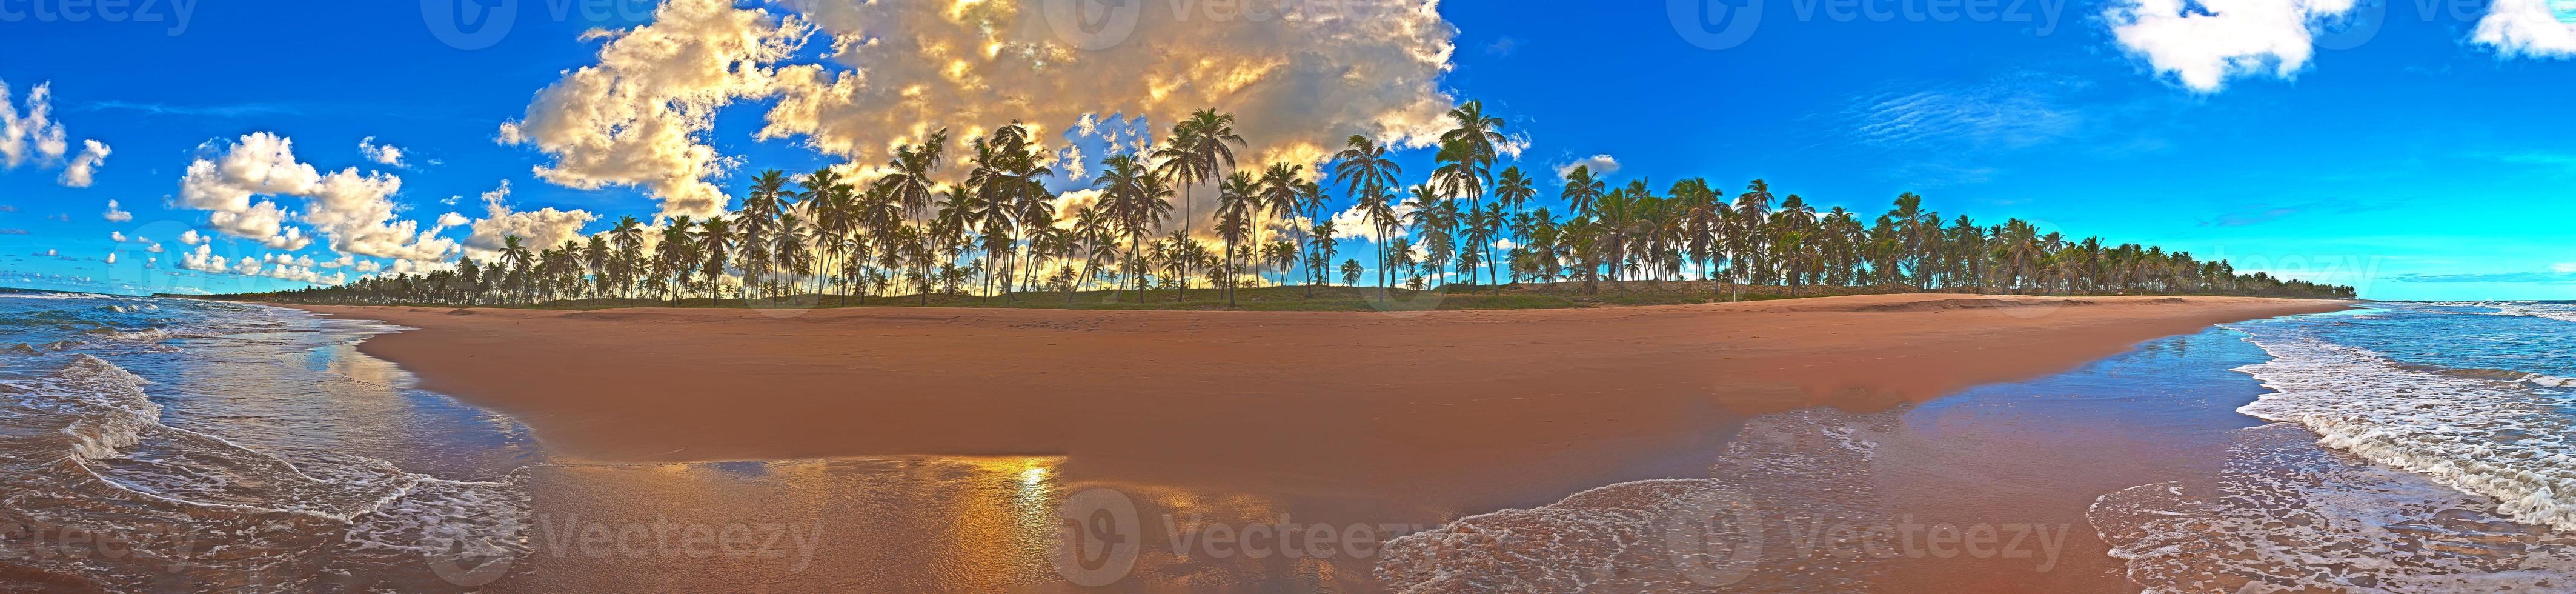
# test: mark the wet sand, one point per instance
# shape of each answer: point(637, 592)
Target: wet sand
point(1333, 417)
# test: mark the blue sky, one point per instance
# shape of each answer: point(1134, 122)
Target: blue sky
point(2399, 151)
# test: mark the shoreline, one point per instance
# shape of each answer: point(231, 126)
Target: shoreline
point(1451, 413)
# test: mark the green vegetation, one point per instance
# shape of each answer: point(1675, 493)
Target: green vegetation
point(996, 236)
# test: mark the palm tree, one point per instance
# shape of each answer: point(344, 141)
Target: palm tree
point(513, 255)
point(1368, 170)
point(756, 221)
point(629, 238)
point(1237, 199)
point(1197, 152)
point(715, 241)
point(909, 184)
point(1136, 200)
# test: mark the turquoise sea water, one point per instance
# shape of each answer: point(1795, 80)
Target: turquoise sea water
point(159, 444)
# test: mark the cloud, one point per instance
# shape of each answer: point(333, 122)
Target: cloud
point(639, 116)
point(1601, 165)
point(191, 237)
point(111, 257)
point(8, 208)
point(354, 211)
point(2261, 213)
point(203, 260)
point(2525, 28)
point(34, 129)
point(2010, 113)
point(1503, 47)
point(1353, 223)
point(222, 111)
point(84, 166)
point(2202, 43)
point(893, 71)
point(381, 153)
point(13, 231)
point(116, 216)
point(539, 229)
point(156, 248)
point(116, 236)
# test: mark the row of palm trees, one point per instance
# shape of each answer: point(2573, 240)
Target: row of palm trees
point(999, 232)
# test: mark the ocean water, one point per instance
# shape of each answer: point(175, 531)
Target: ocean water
point(2415, 447)
point(173, 445)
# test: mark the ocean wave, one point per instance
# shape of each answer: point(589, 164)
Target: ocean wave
point(2287, 515)
point(85, 448)
point(1783, 469)
point(2564, 312)
point(2489, 436)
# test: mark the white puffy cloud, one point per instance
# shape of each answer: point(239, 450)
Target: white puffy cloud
point(203, 260)
point(2202, 43)
point(538, 229)
point(2525, 28)
point(381, 153)
point(156, 248)
point(1353, 223)
point(639, 116)
point(84, 166)
point(111, 257)
point(191, 237)
point(1601, 165)
point(449, 221)
point(1298, 82)
point(416, 267)
point(366, 266)
point(116, 216)
point(34, 129)
point(354, 211)
point(116, 236)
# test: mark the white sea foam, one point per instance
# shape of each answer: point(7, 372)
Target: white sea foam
point(2290, 516)
point(112, 465)
point(2564, 312)
point(1786, 468)
point(2505, 439)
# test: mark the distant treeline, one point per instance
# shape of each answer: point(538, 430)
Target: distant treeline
point(997, 231)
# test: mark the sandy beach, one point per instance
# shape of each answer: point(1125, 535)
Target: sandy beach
point(1360, 416)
